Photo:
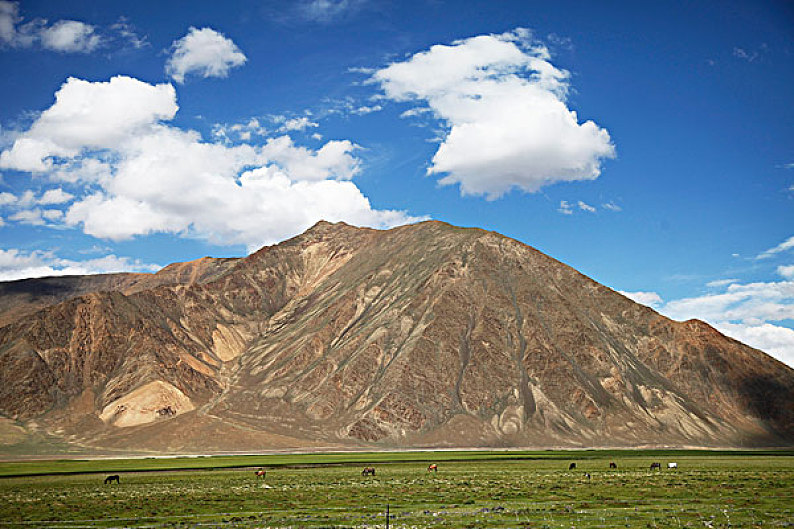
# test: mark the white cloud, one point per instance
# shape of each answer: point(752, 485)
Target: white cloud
point(19, 264)
point(565, 208)
point(90, 115)
point(504, 104)
point(134, 174)
point(28, 216)
point(328, 10)
point(750, 55)
point(55, 196)
point(28, 199)
point(751, 303)
point(611, 206)
point(416, 111)
point(774, 340)
point(9, 17)
point(721, 283)
point(70, 36)
point(126, 32)
point(301, 123)
point(746, 312)
point(64, 36)
point(367, 109)
point(239, 131)
point(782, 247)
point(741, 53)
point(652, 299)
point(786, 271)
point(203, 52)
point(52, 214)
point(332, 160)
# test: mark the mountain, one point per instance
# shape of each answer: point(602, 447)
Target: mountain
point(25, 296)
point(425, 335)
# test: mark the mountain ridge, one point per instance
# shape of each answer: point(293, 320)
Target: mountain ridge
point(423, 335)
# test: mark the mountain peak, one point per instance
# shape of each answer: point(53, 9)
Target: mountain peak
point(422, 335)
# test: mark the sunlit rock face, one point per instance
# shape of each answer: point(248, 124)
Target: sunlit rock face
point(426, 335)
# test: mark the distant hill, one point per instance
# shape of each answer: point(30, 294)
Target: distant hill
point(426, 335)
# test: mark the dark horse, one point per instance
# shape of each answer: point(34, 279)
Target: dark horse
point(656, 466)
point(111, 479)
point(613, 465)
point(260, 473)
point(572, 466)
point(368, 471)
point(433, 468)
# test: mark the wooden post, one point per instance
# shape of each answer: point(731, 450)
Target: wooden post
point(387, 516)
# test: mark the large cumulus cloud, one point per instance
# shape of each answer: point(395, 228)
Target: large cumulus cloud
point(132, 173)
point(504, 105)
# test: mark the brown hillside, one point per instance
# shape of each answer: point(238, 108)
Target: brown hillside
point(424, 335)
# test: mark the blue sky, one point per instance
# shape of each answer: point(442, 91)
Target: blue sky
point(649, 146)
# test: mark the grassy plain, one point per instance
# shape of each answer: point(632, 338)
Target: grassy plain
point(471, 489)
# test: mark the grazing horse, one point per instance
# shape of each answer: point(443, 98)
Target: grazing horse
point(572, 466)
point(368, 471)
point(613, 465)
point(260, 473)
point(433, 467)
point(587, 475)
point(111, 479)
point(672, 465)
point(656, 466)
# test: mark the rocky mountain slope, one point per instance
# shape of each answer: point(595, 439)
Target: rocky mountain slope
point(23, 297)
point(423, 335)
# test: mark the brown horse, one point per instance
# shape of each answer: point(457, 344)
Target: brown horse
point(260, 473)
point(572, 466)
point(657, 466)
point(433, 468)
point(368, 471)
point(111, 479)
point(613, 465)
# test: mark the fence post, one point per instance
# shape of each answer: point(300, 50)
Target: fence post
point(387, 516)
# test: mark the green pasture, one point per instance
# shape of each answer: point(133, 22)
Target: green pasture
point(471, 489)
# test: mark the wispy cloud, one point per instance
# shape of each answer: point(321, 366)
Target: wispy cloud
point(749, 312)
point(297, 124)
point(239, 132)
point(721, 283)
point(780, 248)
point(568, 207)
point(652, 299)
point(64, 36)
point(750, 55)
point(329, 10)
point(21, 264)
